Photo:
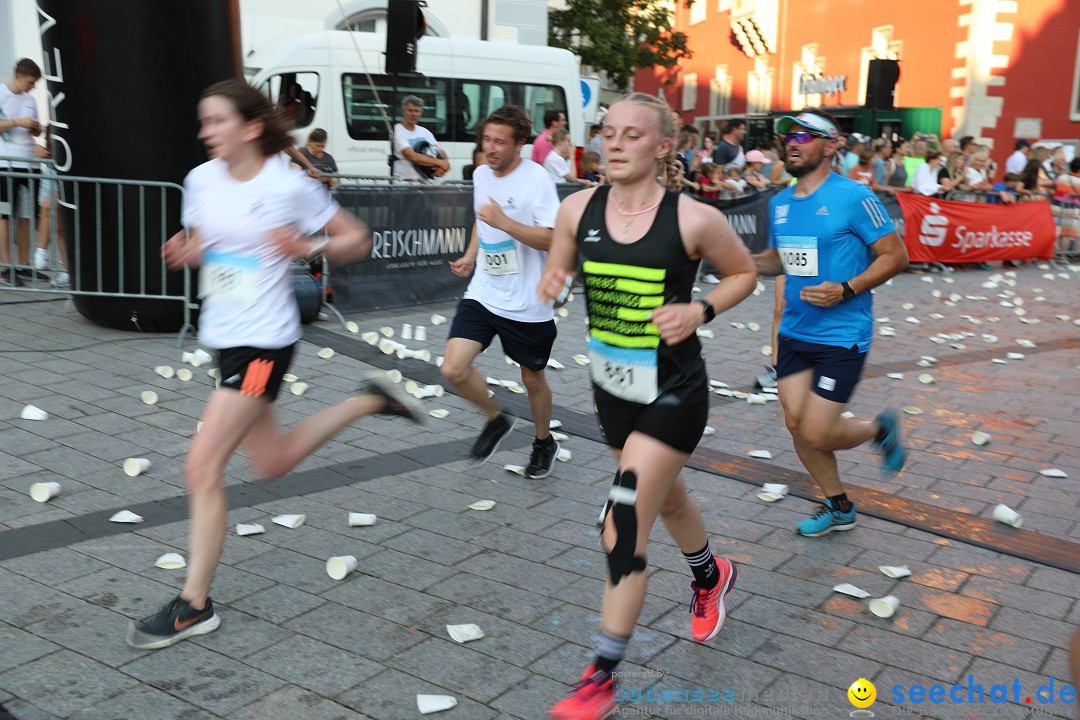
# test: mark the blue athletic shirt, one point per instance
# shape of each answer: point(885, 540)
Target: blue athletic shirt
point(840, 221)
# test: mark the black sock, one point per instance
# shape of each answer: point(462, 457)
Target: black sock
point(840, 502)
point(609, 652)
point(703, 565)
point(549, 440)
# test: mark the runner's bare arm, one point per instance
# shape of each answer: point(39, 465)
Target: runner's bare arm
point(350, 238)
point(891, 260)
point(181, 250)
point(538, 238)
point(768, 263)
point(562, 257)
point(707, 233)
point(464, 266)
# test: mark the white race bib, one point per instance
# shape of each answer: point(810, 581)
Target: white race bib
point(627, 373)
point(229, 277)
point(499, 258)
point(799, 254)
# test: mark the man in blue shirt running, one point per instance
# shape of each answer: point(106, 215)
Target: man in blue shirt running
point(833, 241)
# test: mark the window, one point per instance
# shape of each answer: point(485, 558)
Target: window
point(759, 88)
point(720, 92)
point(364, 25)
point(364, 114)
point(689, 91)
point(453, 109)
point(697, 11)
point(295, 95)
point(1074, 108)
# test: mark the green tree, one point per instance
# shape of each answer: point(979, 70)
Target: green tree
point(618, 36)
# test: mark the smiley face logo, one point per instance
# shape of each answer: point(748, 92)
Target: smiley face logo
point(862, 693)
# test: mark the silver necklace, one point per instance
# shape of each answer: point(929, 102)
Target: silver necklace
point(633, 215)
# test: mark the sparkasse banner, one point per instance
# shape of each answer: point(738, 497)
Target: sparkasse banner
point(959, 232)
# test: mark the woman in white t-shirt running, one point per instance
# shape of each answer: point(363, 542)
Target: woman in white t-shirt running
point(248, 216)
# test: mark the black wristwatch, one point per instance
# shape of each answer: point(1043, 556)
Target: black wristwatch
point(710, 312)
point(848, 292)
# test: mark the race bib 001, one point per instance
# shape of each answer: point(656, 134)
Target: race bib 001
point(499, 258)
point(229, 277)
point(799, 254)
point(627, 373)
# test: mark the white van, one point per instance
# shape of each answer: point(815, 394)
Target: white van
point(318, 80)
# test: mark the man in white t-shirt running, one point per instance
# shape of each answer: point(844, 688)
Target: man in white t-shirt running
point(515, 202)
point(18, 127)
point(410, 141)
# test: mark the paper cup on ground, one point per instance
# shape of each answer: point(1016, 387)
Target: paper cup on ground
point(133, 467)
point(126, 516)
point(849, 589)
point(394, 375)
point(298, 388)
point(243, 529)
point(361, 519)
point(33, 412)
point(149, 397)
point(428, 704)
point(895, 571)
point(371, 338)
point(420, 333)
point(464, 633)
point(439, 413)
point(775, 488)
point(387, 331)
point(1005, 514)
point(482, 505)
point(352, 327)
point(406, 332)
point(289, 521)
point(164, 371)
point(884, 607)
point(171, 561)
point(44, 491)
point(183, 375)
point(289, 378)
point(438, 319)
point(339, 567)
point(326, 353)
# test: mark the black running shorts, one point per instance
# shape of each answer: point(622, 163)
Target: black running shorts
point(836, 369)
point(678, 425)
point(528, 343)
point(254, 371)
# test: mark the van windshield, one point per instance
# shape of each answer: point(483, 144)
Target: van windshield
point(453, 108)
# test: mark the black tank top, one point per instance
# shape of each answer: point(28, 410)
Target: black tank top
point(624, 283)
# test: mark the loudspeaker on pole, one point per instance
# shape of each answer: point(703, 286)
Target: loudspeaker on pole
point(881, 79)
point(405, 25)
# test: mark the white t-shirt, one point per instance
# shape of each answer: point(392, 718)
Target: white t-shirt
point(528, 196)
point(557, 166)
point(16, 142)
point(250, 301)
point(408, 138)
point(1016, 162)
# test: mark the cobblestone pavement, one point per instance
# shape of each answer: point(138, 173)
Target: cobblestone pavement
point(296, 644)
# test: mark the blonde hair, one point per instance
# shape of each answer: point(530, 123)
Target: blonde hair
point(671, 170)
point(557, 136)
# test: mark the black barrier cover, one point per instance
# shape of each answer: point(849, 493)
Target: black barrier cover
point(417, 231)
point(124, 78)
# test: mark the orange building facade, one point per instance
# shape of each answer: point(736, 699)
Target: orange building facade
point(998, 69)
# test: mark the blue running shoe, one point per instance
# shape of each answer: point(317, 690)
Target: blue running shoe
point(890, 443)
point(825, 520)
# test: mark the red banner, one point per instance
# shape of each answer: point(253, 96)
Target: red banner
point(958, 232)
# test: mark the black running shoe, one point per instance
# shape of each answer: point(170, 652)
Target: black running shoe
point(487, 442)
point(29, 274)
point(7, 278)
point(542, 459)
point(173, 623)
point(397, 402)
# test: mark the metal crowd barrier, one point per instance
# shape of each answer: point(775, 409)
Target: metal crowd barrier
point(117, 207)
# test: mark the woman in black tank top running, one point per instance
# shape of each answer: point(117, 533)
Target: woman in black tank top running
point(639, 245)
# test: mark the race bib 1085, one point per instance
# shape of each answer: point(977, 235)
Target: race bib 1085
point(799, 254)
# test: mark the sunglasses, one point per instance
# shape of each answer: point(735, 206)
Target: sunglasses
point(801, 137)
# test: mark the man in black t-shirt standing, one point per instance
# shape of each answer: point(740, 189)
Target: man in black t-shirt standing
point(729, 150)
point(315, 153)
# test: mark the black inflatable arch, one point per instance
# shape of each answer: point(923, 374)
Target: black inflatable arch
point(124, 78)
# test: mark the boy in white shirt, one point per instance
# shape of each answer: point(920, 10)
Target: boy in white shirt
point(18, 127)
